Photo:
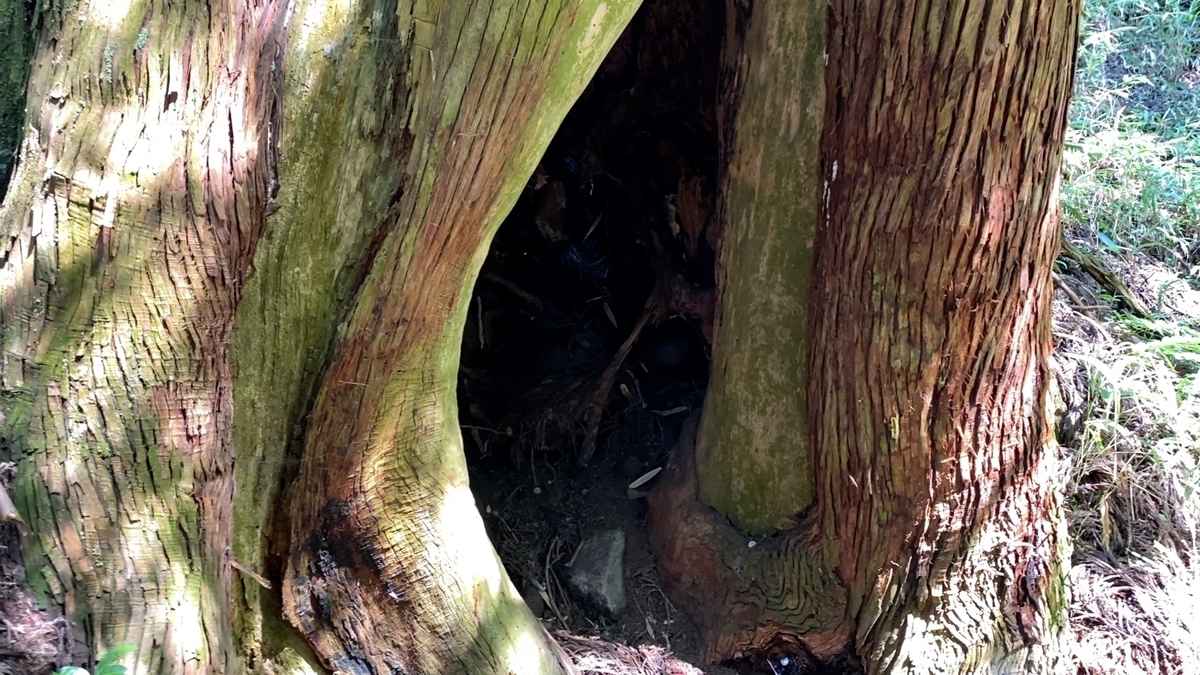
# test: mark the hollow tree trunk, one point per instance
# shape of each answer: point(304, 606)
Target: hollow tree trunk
point(145, 183)
point(128, 231)
point(389, 566)
point(933, 542)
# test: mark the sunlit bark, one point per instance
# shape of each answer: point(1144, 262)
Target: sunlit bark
point(127, 233)
point(390, 567)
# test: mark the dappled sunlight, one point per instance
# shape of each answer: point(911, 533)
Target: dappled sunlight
point(1131, 615)
point(467, 546)
point(143, 199)
point(1126, 321)
point(524, 649)
point(186, 628)
point(320, 21)
point(503, 621)
point(108, 13)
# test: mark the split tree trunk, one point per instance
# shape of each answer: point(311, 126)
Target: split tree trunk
point(145, 184)
point(390, 567)
point(934, 542)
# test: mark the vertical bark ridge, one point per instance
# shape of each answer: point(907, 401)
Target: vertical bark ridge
point(390, 567)
point(129, 230)
point(944, 125)
point(344, 141)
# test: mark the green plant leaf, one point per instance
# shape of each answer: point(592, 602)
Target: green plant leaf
point(107, 665)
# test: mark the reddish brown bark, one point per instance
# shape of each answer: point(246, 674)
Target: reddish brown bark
point(936, 504)
point(934, 264)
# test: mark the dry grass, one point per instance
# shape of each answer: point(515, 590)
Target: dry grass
point(1142, 616)
point(1132, 482)
point(593, 656)
point(31, 641)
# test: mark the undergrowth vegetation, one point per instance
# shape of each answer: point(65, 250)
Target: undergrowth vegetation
point(1131, 431)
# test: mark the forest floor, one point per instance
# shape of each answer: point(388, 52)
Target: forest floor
point(565, 286)
point(1127, 366)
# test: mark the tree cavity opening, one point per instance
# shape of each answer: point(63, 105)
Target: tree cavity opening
point(610, 244)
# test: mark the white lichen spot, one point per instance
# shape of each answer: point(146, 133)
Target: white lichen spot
point(594, 29)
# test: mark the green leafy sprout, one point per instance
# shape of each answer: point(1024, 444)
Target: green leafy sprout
point(107, 665)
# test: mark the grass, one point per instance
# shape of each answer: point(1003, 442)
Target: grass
point(1130, 160)
point(1131, 196)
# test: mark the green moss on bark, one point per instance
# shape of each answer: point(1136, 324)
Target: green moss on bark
point(16, 35)
point(753, 456)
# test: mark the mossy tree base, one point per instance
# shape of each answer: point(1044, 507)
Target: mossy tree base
point(390, 566)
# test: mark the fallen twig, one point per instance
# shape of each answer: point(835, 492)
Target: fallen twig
point(1106, 278)
point(595, 407)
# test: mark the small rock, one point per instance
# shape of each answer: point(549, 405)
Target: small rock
point(598, 572)
point(533, 598)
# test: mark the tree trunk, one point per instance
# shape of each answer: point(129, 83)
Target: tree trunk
point(128, 232)
point(935, 541)
point(389, 565)
point(889, 173)
point(144, 186)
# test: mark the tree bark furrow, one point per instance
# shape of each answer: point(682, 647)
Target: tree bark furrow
point(934, 358)
point(120, 354)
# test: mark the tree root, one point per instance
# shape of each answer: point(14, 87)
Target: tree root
point(672, 296)
point(767, 597)
point(595, 405)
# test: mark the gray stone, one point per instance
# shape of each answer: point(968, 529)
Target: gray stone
point(597, 573)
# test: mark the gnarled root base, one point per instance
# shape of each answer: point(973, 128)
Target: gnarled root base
point(773, 597)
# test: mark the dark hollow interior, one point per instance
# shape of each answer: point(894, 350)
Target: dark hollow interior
point(565, 282)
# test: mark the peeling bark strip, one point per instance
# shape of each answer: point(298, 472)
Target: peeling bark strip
point(943, 134)
point(390, 568)
point(127, 234)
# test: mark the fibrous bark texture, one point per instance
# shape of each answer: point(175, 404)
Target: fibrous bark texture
point(936, 504)
point(390, 569)
point(127, 235)
point(343, 143)
point(943, 135)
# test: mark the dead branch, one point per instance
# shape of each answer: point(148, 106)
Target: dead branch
point(1108, 280)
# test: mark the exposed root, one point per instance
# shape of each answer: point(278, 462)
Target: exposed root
point(594, 408)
